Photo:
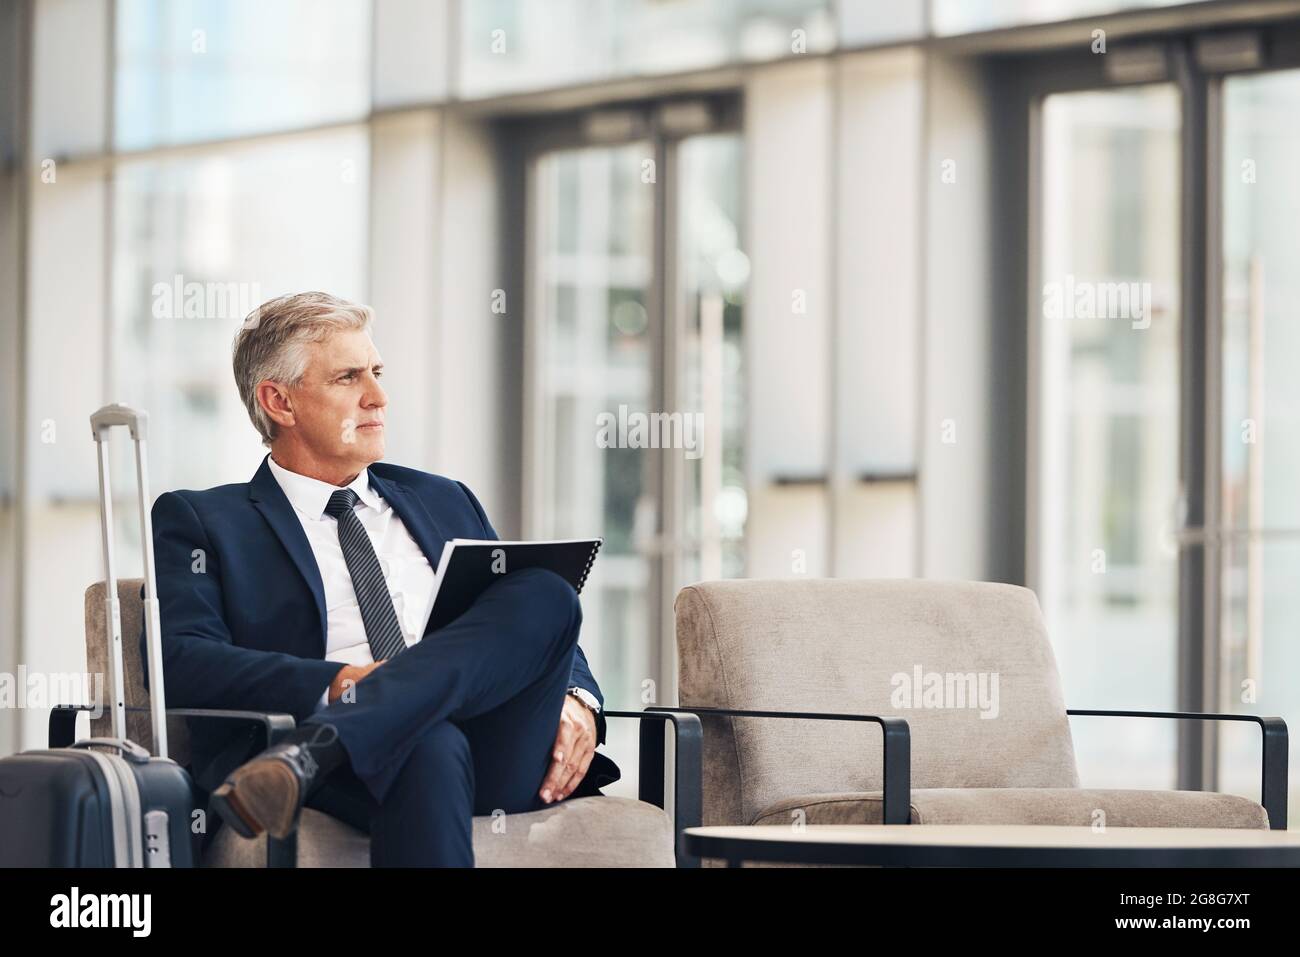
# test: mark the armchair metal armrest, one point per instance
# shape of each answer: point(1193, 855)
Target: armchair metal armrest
point(1273, 773)
point(63, 724)
point(63, 721)
point(280, 852)
point(275, 725)
point(896, 753)
point(688, 801)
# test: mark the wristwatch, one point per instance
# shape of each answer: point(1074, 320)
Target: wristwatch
point(587, 698)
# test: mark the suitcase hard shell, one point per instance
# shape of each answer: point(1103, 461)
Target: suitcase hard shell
point(81, 807)
point(105, 802)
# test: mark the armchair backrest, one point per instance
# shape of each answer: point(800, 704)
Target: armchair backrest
point(968, 664)
point(137, 696)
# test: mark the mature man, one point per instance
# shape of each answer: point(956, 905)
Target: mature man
point(307, 591)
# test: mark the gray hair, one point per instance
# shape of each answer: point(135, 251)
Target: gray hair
point(272, 342)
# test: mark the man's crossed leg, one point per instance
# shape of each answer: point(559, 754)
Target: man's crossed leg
point(459, 724)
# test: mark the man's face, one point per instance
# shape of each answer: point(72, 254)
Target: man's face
point(339, 405)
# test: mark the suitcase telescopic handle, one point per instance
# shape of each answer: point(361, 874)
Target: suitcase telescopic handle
point(102, 422)
point(117, 414)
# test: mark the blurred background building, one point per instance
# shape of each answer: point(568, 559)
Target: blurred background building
point(826, 226)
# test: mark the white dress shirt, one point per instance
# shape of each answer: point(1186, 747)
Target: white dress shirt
point(407, 572)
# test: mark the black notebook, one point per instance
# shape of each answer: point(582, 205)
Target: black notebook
point(469, 565)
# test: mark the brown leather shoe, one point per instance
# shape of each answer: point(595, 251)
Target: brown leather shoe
point(266, 793)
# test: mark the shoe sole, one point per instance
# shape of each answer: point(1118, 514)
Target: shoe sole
point(260, 796)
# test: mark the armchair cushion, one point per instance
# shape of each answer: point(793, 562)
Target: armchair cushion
point(599, 831)
point(1064, 806)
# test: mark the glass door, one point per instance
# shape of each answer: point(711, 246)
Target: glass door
point(1164, 410)
point(634, 387)
point(1107, 329)
point(1258, 542)
point(592, 356)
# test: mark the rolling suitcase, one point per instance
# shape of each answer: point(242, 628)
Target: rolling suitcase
point(105, 802)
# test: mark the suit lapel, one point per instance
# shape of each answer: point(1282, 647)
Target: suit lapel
point(414, 515)
point(269, 499)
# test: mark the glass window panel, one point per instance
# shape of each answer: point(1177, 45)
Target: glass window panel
point(1260, 548)
point(10, 444)
point(201, 239)
point(521, 45)
point(966, 16)
point(191, 70)
point(864, 22)
point(1108, 412)
point(69, 62)
point(64, 364)
point(411, 49)
point(12, 41)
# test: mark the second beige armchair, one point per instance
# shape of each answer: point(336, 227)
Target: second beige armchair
point(963, 680)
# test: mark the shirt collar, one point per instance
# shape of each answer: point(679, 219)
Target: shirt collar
point(310, 496)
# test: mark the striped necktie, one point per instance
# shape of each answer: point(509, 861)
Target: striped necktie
point(382, 628)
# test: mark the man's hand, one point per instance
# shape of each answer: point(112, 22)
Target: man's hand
point(348, 676)
point(575, 743)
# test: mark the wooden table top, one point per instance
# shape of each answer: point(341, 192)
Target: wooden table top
point(1007, 835)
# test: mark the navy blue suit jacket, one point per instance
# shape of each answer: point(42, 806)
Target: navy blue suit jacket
point(243, 607)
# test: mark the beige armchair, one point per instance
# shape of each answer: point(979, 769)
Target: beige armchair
point(596, 831)
point(986, 741)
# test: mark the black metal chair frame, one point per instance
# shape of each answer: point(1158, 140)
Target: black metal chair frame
point(688, 757)
point(897, 748)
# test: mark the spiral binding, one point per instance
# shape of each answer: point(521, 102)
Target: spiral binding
point(591, 560)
